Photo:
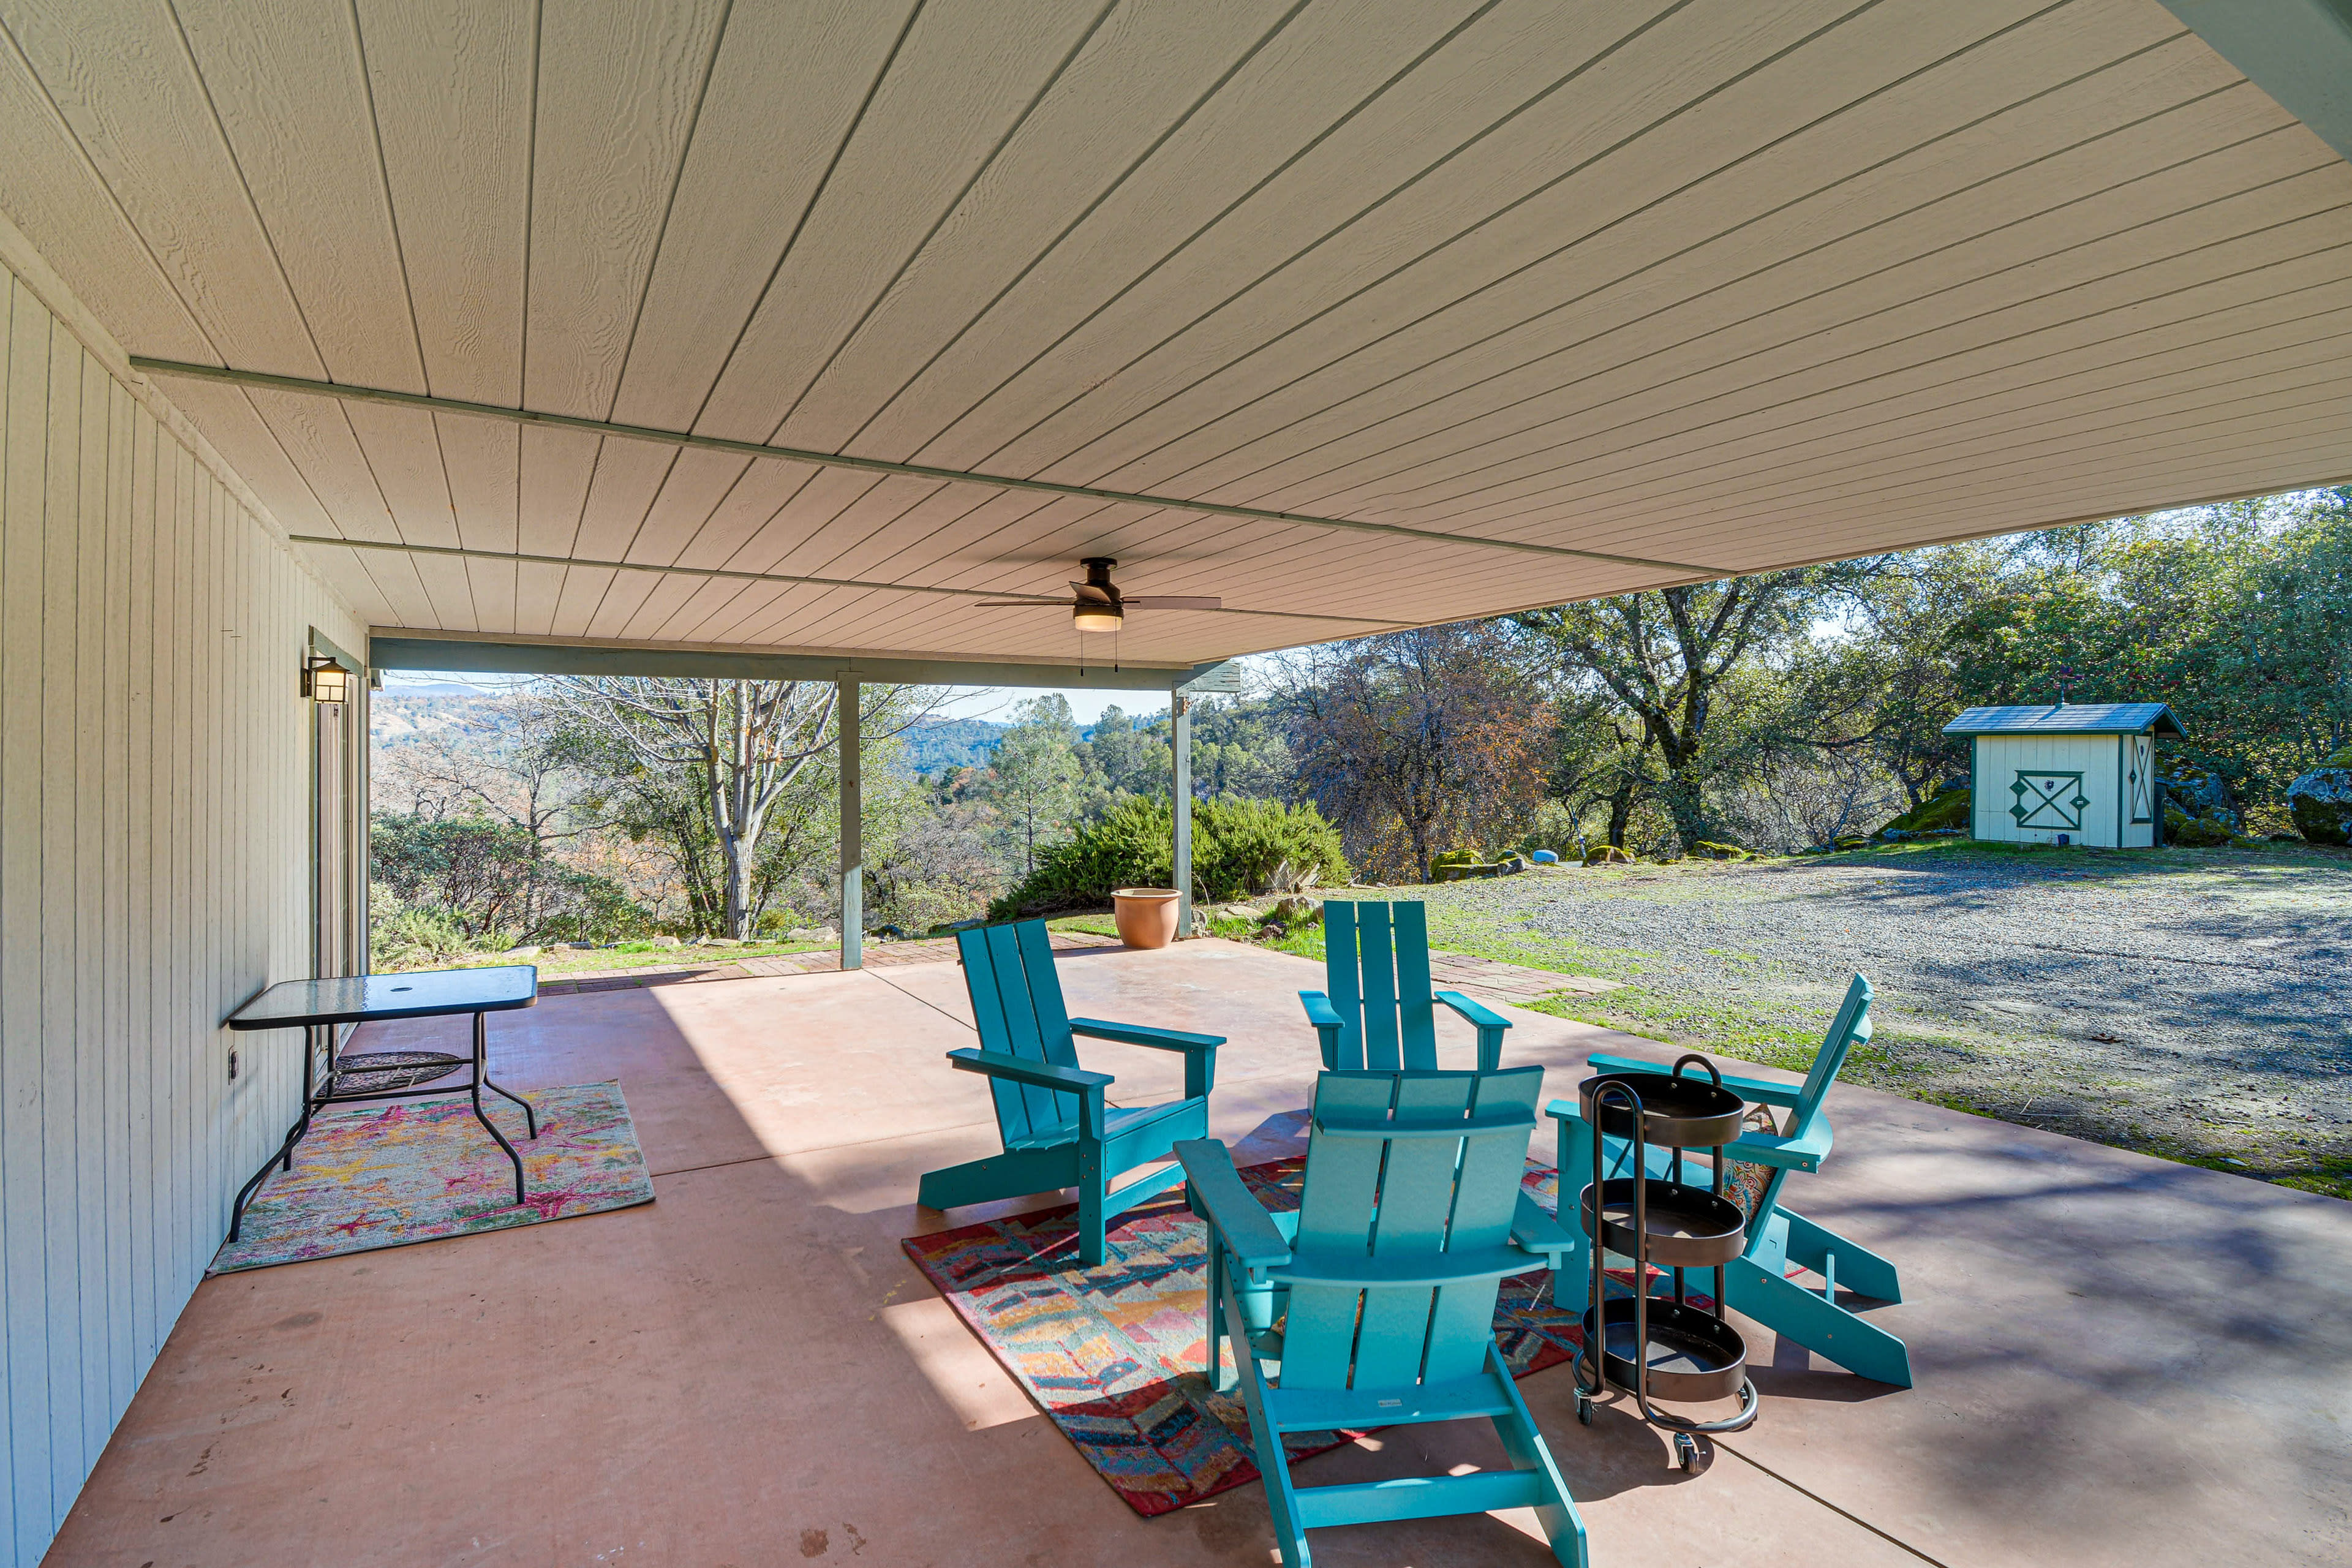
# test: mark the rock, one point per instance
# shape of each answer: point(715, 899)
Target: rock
point(1295, 912)
point(2196, 789)
point(811, 933)
point(1896, 836)
point(1544, 858)
point(668, 941)
point(2194, 832)
point(1607, 855)
point(1851, 841)
point(2321, 801)
point(1440, 864)
point(1948, 808)
point(1709, 849)
point(519, 954)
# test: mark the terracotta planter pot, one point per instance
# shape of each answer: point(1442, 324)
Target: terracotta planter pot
point(1146, 916)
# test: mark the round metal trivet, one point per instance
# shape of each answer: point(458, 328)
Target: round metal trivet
point(373, 1072)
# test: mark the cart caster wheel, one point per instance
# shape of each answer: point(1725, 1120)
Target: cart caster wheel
point(1584, 1409)
point(1685, 1450)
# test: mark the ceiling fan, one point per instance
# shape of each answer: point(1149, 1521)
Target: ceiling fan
point(1097, 605)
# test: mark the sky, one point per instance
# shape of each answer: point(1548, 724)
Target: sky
point(996, 703)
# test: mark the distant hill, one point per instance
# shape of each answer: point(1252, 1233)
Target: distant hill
point(400, 713)
point(404, 713)
point(935, 744)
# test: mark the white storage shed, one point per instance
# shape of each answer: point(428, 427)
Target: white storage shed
point(2077, 772)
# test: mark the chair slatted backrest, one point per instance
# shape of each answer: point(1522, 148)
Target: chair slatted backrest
point(1416, 1194)
point(1376, 974)
point(1016, 1005)
point(1850, 1028)
point(1761, 1186)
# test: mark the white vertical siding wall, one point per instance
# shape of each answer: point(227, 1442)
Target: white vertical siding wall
point(153, 874)
point(2096, 757)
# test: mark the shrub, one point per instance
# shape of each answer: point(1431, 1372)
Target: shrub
point(490, 878)
point(405, 936)
point(1240, 847)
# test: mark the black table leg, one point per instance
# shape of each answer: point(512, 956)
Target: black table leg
point(481, 1076)
point(529, 1117)
point(285, 1153)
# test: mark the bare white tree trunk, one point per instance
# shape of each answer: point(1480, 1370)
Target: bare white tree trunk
point(745, 743)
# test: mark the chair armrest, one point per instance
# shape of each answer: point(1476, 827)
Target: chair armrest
point(1564, 1110)
point(1217, 1194)
point(1144, 1035)
point(1754, 1089)
point(1200, 1050)
point(1327, 1024)
point(1473, 1013)
point(1803, 1153)
point(1040, 1075)
point(1534, 1231)
point(1489, 1024)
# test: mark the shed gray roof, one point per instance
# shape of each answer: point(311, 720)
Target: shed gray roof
point(2071, 719)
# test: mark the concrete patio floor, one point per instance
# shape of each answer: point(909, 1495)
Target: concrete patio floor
point(2120, 1361)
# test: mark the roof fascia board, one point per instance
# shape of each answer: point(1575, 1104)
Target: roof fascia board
point(2298, 51)
point(409, 650)
point(2161, 722)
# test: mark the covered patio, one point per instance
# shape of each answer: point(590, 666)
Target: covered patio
point(831, 344)
point(2120, 1361)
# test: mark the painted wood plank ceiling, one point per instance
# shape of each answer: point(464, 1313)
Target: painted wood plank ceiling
point(1696, 287)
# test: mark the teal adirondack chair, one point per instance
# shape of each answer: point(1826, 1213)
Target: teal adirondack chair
point(1057, 1130)
point(1384, 1282)
point(1757, 1282)
point(1378, 1012)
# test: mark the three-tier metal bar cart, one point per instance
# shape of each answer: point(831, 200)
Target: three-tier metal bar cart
point(1649, 1346)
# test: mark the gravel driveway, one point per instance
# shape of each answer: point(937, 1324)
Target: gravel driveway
point(2195, 1004)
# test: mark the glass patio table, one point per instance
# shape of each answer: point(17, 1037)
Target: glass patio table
point(317, 1006)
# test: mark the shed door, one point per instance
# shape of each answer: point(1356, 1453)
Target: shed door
point(2139, 777)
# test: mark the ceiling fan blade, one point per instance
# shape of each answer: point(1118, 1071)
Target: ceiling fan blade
point(1020, 605)
point(1172, 602)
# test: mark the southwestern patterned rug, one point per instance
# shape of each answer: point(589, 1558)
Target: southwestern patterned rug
point(408, 1171)
point(1118, 1355)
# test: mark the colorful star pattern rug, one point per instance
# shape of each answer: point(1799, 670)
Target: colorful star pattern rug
point(1116, 1355)
point(387, 1175)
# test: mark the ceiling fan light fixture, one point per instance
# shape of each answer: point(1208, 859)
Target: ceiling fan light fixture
point(1097, 617)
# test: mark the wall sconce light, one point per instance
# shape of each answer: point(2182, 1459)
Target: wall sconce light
point(324, 681)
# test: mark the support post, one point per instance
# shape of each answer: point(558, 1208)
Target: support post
point(1180, 740)
point(853, 826)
